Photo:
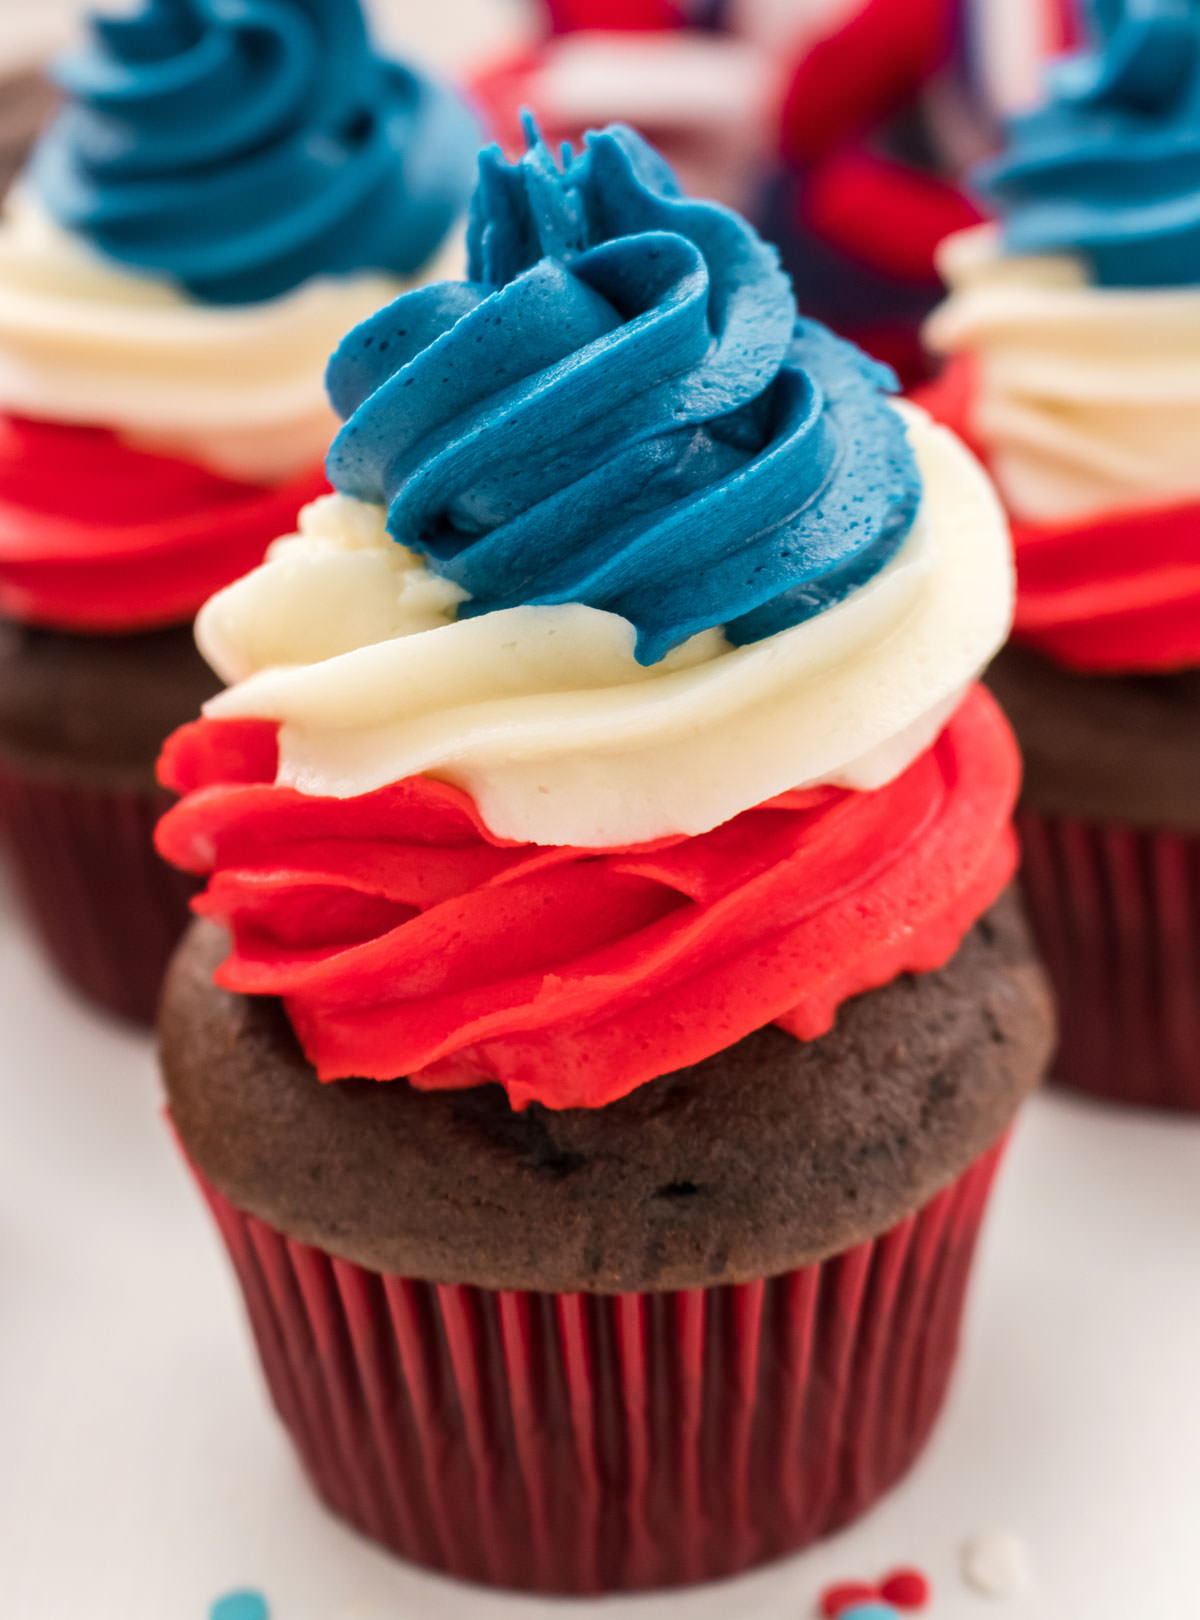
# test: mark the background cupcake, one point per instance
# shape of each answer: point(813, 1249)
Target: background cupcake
point(602, 771)
point(219, 198)
point(1072, 333)
point(843, 130)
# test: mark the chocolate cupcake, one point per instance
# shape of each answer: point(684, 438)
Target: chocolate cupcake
point(607, 1012)
point(1072, 332)
point(216, 202)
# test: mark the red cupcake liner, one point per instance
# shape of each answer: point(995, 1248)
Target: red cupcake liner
point(582, 1443)
point(1116, 913)
point(108, 909)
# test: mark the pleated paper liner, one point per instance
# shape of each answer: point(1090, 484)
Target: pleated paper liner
point(1116, 912)
point(575, 1443)
point(107, 908)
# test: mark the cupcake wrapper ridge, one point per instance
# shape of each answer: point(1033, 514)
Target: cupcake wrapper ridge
point(107, 908)
point(1116, 913)
point(574, 1443)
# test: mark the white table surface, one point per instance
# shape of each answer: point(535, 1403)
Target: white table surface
point(142, 1474)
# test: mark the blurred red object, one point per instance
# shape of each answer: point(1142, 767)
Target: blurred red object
point(843, 128)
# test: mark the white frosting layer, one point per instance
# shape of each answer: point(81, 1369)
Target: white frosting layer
point(543, 714)
point(237, 388)
point(1088, 397)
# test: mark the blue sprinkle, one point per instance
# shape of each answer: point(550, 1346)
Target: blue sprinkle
point(870, 1611)
point(245, 1606)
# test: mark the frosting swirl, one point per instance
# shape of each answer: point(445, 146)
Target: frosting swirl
point(621, 408)
point(242, 149)
point(1112, 585)
point(544, 716)
point(1110, 166)
point(406, 939)
point(97, 536)
point(235, 388)
point(1086, 398)
point(492, 794)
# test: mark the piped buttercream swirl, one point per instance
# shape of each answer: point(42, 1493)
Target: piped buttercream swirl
point(620, 408)
point(1109, 166)
point(544, 715)
point(241, 149)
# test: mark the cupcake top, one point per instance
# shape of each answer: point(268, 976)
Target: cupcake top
point(1107, 169)
point(639, 358)
point(1075, 324)
point(636, 588)
point(224, 192)
point(239, 151)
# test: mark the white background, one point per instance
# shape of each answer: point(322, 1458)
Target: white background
point(142, 1475)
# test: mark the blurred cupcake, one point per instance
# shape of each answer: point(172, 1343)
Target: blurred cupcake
point(221, 196)
point(883, 114)
point(1073, 331)
point(26, 101)
point(602, 770)
point(841, 129)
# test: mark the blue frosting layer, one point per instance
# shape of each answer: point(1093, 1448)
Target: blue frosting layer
point(620, 407)
point(240, 148)
point(1110, 166)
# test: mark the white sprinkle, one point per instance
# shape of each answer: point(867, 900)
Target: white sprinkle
point(995, 1563)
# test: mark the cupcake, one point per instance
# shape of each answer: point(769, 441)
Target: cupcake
point(882, 116)
point(842, 129)
point(1068, 334)
point(219, 198)
point(607, 1009)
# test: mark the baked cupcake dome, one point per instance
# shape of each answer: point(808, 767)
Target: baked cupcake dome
point(217, 200)
point(602, 804)
point(1070, 330)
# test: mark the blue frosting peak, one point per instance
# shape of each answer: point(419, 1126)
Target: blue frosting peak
point(1110, 166)
point(619, 406)
point(242, 146)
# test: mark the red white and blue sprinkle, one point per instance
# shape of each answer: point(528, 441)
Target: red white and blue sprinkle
point(901, 1592)
point(241, 1605)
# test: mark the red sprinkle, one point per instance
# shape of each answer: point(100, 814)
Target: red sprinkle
point(906, 1588)
point(839, 1598)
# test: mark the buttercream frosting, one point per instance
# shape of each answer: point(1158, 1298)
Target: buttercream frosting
point(516, 782)
point(1110, 591)
point(1072, 332)
point(544, 714)
point(1087, 398)
point(1108, 167)
point(620, 407)
point(405, 939)
point(239, 151)
point(98, 536)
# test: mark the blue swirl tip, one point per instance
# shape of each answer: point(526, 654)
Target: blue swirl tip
point(621, 407)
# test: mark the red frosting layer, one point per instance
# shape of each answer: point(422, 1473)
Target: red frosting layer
point(1118, 592)
point(98, 536)
point(406, 940)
